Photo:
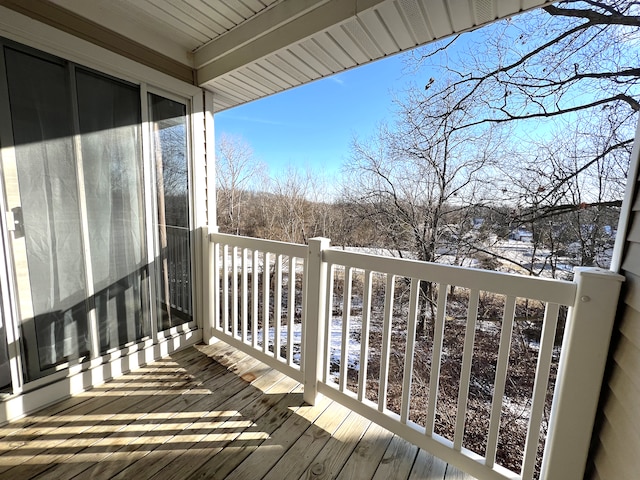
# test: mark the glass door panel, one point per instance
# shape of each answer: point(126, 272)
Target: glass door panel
point(42, 194)
point(72, 171)
point(109, 120)
point(170, 153)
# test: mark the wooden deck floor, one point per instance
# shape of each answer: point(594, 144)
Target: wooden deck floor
point(207, 412)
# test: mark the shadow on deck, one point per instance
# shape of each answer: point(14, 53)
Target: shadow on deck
point(207, 412)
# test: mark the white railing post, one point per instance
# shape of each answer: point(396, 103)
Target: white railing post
point(584, 355)
point(209, 286)
point(315, 298)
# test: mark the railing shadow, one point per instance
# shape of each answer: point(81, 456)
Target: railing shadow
point(186, 408)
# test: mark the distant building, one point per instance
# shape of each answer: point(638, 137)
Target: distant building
point(521, 235)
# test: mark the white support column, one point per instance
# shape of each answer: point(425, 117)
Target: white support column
point(314, 323)
point(585, 350)
point(208, 247)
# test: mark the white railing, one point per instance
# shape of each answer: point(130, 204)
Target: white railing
point(257, 298)
point(346, 325)
point(178, 257)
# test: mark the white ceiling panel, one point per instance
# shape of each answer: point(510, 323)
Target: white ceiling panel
point(460, 14)
point(242, 50)
point(356, 55)
point(290, 65)
point(438, 18)
point(397, 25)
point(386, 28)
point(335, 50)
point(377, 30)
point(285, 73)
point(363, 39)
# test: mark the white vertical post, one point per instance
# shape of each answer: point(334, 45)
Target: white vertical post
point(584, 355)
point(207, 281)
point(315, 298)
point(212, 290)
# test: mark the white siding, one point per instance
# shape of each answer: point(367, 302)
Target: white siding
point(617, 436)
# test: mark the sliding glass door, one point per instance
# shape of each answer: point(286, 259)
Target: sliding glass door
point(72, 171)
point(170, 153)
point(41, 186)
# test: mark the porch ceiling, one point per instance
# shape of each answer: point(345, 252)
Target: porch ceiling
point(243, 50)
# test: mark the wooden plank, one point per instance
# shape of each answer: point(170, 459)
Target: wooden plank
point(455, 474)
point(234, 422)
point(78, 407)
point(338, 449)
point(115, 452)
point(228, 458)
point(93, 418)
point(367, 455)
point(254, 461)
point(74, 439)
point(297, 459)
point(397, 460)
point(188, 422)
point(206, 415)
point(428, 467)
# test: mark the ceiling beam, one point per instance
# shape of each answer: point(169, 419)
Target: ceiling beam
point(285, 23)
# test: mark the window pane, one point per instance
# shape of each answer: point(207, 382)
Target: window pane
point(42, 127)
point(109, 114)
point(171, 154)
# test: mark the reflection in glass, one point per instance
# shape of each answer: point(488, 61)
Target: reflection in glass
point(174, 262)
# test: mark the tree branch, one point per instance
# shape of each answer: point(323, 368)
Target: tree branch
point(594, 18)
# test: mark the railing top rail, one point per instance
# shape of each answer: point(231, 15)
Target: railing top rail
point(283, 248)
point(543, 289)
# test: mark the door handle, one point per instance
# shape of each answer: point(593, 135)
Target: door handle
point(18, 222)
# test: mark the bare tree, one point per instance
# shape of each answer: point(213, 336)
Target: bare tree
point(413, 180)
point(237, 171)
point(565, 81)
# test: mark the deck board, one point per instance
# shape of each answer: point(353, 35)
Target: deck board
point(207, 412)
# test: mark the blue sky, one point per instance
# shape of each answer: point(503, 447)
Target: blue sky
point(313, 125)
